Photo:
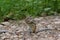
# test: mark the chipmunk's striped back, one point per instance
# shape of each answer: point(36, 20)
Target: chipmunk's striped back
point(31, 24)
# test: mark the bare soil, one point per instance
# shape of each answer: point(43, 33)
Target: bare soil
point(47, 28)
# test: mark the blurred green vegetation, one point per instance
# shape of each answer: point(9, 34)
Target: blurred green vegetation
point(19, 9)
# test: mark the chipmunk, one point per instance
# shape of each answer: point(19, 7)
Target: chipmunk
point(31, 23)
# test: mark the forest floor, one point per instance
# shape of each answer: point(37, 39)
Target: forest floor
point(48, 27)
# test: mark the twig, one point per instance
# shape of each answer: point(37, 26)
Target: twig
point(3, 31)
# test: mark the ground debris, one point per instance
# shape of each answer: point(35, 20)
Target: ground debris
point(3, 31)
point(47, 28)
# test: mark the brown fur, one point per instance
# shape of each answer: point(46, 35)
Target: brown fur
point(31, 23)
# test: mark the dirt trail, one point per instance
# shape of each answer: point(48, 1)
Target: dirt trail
point(47, 28)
